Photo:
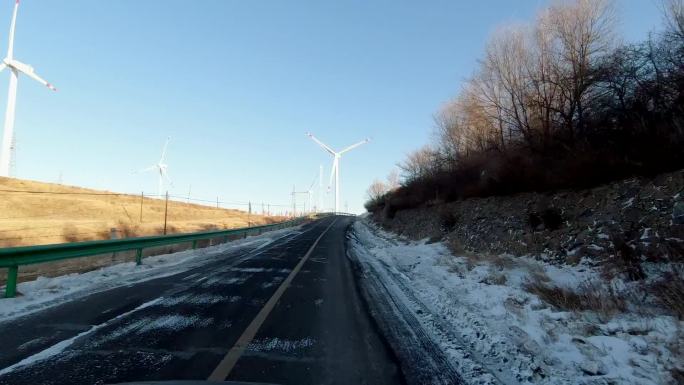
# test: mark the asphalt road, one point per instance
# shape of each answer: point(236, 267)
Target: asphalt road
point(288, 313)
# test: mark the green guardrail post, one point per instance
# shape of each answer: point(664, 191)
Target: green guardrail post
point(11, 288)
point(194, 244)
point(138, 257)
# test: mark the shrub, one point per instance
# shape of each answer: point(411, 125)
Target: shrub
point(447, 220)
point(589, 296)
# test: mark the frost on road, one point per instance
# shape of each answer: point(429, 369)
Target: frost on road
point(49, 291)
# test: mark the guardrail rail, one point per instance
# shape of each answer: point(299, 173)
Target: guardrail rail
point(13, 257)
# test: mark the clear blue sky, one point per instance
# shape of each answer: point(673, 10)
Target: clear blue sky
point(236, 84)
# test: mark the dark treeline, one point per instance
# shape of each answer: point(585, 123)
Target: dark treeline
point(559, 103)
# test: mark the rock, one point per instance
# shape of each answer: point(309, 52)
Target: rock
point(593, 368)
point(678, 213)
point(597, 224)
point(632, 214)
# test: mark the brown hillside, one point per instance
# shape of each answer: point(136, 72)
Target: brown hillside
point(58, 213)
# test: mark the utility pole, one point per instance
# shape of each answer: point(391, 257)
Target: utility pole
point(249, 215)
point(142, 197)
point(166, 211)
point(217, 202)
point(294, 202)
point(189, 190)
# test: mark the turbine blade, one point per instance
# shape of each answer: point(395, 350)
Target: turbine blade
point(161, 160)
point(313, 183)
point(13, 25)
point(353, 146)
point(325, 147)
point(165, 175)
point(2, 66)
point(30, 72)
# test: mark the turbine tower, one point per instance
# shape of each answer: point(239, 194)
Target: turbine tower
point(162, 168)
point(15, 67)
point(320, 188)
point(335, 171)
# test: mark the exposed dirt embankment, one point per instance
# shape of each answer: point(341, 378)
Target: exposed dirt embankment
point(628, 221)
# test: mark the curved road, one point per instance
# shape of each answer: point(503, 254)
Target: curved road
point(288, 313)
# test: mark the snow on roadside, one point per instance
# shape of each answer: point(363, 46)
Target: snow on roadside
point(516, 337)
point(49, 291)
point(62, 345)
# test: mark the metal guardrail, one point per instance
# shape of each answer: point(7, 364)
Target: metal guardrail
point(13, 257)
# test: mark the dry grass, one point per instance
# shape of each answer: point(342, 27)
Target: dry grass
point(669, 293)
point(589, 296)
point(32, 219)
point(498, 261)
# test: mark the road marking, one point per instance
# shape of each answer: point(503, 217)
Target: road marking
point(228, 362)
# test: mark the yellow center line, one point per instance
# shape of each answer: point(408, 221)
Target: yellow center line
point(228, 362)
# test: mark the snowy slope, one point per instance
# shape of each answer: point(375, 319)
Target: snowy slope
point(493, 331)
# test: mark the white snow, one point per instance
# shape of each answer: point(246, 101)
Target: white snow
point(280, 345)
point(45, 292)
point(505, 329)
point(60, 346)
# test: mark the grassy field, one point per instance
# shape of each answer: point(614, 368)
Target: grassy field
point(59, 213)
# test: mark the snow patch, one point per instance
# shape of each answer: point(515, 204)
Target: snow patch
point(45, 292)
point(280, 345)
point(478, 311)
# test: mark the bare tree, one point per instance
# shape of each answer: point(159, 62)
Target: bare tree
point(583, 31)
point(674, 16)
point(543, 79)
point(376, 190)
point(420, 163)
point(393, 180)
point(503, 81)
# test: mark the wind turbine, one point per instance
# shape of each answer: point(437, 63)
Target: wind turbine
point(162, 168)
point(335, 171)
point(15, 67)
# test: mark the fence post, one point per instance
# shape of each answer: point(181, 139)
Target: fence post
point(11, 288)
point(166, 211)
point(142, 197)
point(138, 257)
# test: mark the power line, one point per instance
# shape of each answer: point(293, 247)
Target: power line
point(60, 192)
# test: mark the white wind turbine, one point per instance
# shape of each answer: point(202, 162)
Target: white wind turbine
point(15, 68)
point(335, 171)
point(162, 168)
